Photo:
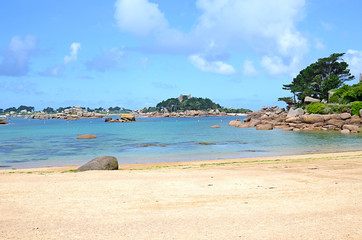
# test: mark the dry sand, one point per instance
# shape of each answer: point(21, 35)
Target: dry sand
point(295, 197)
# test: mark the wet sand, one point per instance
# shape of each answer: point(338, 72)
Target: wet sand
point(315, 196)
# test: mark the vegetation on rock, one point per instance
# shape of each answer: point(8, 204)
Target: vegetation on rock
point(347, 94)
point(318, 79)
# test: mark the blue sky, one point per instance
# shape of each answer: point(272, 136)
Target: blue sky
point(136, 53)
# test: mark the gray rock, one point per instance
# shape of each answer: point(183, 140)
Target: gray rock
point(100, 163)
point(295, 112)
point(345, 116)
point(360, 112)
point(310, 100)
point(352, 128)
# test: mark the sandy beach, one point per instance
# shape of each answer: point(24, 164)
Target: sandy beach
point(315, 196)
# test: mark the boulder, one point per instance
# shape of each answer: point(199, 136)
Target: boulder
point(233, 122)
point(100, 163)
point(345, 116)
point(264, 127)
point(353, 120)
point(335, 122)
point(312, 118)
point(215, 126)
point(360, 112)
point(128, 117)
point(108, 119)
point(308, 100)
point(293, 119)
point(295, 112)
point(242, 125)
point(2, 121)
point(254, 122)
point(345, 131)
point(352, 128)
point(86, 136)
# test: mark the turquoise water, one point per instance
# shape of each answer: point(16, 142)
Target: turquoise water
point(40, 143)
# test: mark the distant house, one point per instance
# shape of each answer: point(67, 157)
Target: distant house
point(184, 97)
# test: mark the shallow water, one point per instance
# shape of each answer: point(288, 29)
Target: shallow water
point(38, 143)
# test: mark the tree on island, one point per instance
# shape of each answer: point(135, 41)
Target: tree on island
point(174, 104)
point(318, 79)
point(49, 110)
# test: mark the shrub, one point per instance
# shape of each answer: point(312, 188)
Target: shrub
point(356, 106)
point(316, 108)
point(332, 108)
point(347, 94)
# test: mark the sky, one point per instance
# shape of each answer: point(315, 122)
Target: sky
point(136, 53)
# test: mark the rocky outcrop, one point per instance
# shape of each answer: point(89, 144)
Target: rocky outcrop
point(67, 116)
point(215, 126)
point(100, 163)
point(123, 118)
point(297, 120)
point(86, 136)
point(188, 113)
point(3, 122)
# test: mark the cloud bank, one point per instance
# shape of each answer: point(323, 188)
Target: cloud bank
point(267, 28)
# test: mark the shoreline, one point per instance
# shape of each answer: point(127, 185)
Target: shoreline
point(230, 161)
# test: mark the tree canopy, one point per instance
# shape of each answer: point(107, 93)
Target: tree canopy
point(173, 104)
point(318, 79)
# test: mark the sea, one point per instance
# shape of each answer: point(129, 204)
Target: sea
point(29, 143)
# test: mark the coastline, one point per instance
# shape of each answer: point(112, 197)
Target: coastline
point(313, 196)
point(176, 164)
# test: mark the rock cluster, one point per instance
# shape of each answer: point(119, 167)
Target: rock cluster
point(188, 113)
point(68, 116)
point(269, 118)
point(123, 118)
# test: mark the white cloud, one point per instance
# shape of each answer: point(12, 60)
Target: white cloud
point(74, 48)
point(110, 59)
point(262, 23)
point(249, 69)
point(263, 27)
point(276, 66)
point(15, 61)
point(354, 60)
point(139, 17)
point(211, 66)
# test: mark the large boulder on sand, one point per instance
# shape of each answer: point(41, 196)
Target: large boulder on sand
point(86, 136)
point(295, 112)
point(100, 163)
point(264, 127)
point(2, 121)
